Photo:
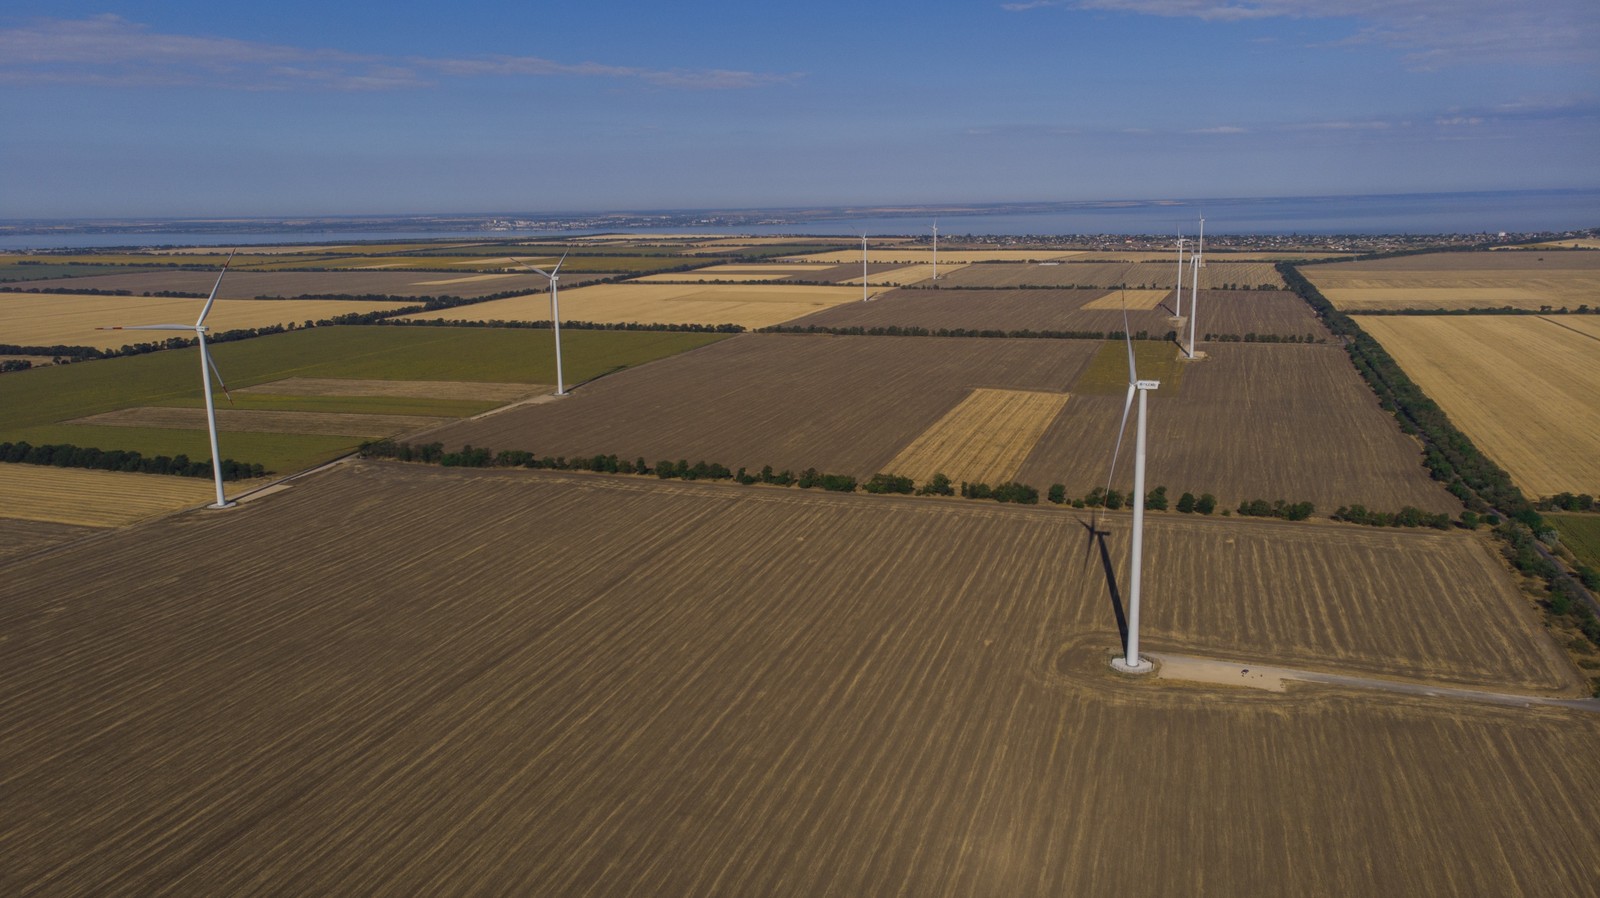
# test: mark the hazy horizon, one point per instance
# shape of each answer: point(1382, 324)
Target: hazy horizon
point(187, 110)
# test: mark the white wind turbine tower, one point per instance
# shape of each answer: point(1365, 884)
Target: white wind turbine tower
point(554, 277)
point(207, 369)
point(936, 249)
point(1194, 302)
point(863, 266)
point(1177, 290)
point(1131, 662)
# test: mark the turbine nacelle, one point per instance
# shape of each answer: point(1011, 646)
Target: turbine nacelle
point(1146, 384)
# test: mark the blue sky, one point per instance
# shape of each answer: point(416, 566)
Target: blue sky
point(298, 108)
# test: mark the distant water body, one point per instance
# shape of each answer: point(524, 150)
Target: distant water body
point(1426, 213)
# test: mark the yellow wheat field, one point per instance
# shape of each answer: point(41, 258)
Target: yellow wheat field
point(1522, 388)
point(94, 498)
point(984, 439)
point(923, 255)
point(1136, 300)
point(743, 304)
point(36, 319)
point(1523, 288)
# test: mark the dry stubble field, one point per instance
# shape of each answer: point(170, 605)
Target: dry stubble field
point(661, 689)
point(1523, 279)
point(36, 319)
point(748, 305)
point(291, 284)
point(89, 498)
point(1253, 421)
point(1526, 389)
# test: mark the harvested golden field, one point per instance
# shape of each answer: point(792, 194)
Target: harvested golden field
point(983, 440)
point(897, 275)
point(29, 319)
point(1221, 312)
point(89, 498)
point(660, 689)
point(254, 421)
point(1132, 300)
point(417, 389)
point(750, 306)
point(1253, 421)
point(293, 284)
point(1219, 275)
point(922, 254)
point(1525, 280)
point(1523, 388)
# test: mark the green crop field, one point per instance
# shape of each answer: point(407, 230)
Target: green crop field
point(1581, 534)
point(35, 404)
point(38, 272)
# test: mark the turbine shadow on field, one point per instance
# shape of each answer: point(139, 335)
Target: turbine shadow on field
point(1097, 538)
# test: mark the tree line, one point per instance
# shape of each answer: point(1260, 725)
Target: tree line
point(66, 455)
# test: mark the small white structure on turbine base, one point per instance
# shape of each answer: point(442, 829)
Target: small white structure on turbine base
point(936, 249)
point(554, 277)
point(864, 296)
point(1130, 661)
point(207, 369)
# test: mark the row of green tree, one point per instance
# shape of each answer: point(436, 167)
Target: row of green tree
point(1254, 337)
point(1567, 502)
point(897, 330)
point(66, 455)
point(1584, 309)
point(1408, 516)
point(1449, 455)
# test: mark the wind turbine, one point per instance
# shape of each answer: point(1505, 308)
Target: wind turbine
point(1178, 290)
point(554, 277)
point(207, 369)
point(1194, 300)
point(863, 266)
point(1131, 662)
point(936, 249)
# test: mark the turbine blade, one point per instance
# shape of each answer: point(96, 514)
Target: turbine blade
point(559, 262)
point(1127, 406)
point(214, 370)
point(530, 267)
point(213, 297)
point(1127, 337)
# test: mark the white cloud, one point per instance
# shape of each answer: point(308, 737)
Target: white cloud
point(109, 50)
point(1430, 33)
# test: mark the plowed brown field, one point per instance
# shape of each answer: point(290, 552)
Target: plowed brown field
point(511, 683)
point(1221, 312)
point(1254, 421)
